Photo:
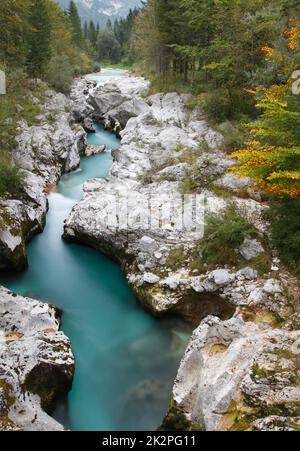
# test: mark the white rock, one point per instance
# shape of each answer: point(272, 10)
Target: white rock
point(151, 278)
point(251, 249)
point(218, 367)
point(172, 281)
point(147, 244)
point(221, 277)
point(30, 343)
point(272, 286)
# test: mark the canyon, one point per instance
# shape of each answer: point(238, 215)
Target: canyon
point(240, 370)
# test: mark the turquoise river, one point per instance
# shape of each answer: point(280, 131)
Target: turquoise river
point(126, 360)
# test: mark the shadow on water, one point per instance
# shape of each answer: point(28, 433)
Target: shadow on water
point(125, 359)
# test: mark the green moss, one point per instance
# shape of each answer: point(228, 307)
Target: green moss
point(188, 186)
point(176, 258)
point(7, 390)
point(176, 420)
point(178, 148)
point(49, 382)
point(5, 220)
point(258, 372)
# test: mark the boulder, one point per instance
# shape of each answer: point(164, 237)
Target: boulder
point(36, 364)
point(88, 125)
point(117, 104)
point(250, 249)
point(20, 219)
point(221, 277)
point(94, 150)
point(230, 370)
point(235, 183)
point(150, 278)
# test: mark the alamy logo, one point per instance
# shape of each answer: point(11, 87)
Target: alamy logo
point(2, 82)
point(296, 84)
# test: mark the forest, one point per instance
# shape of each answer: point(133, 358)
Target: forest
point(240, 59)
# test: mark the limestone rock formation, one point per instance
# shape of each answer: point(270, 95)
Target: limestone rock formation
point(36, 363)
point(115, 103)
point(237, 375)
point(44, 152)
point(239, 371)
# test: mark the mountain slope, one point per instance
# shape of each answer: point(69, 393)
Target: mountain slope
point(101, 10)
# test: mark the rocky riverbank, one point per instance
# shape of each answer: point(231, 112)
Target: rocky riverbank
point(44, 152)
point(241, 369)
point(36, 363)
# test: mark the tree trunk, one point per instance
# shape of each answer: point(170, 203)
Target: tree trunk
point(193, 70)
point(186, 70)
point(175, 67)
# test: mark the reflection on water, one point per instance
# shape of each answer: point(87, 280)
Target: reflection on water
point(125, 359)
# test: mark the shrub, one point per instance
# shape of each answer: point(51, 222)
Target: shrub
point(60, 72)
point(188, 185)
point(176, 258)
point(10, 178)
point(285, 222)
point(234, 137)
point(223, 236)
point(217, 106)
point(221, 105)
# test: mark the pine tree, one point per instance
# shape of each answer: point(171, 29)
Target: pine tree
point(92, 34)
point(38, 40)
point(109, 25)
point(13, 28)
point(85, 30)
point(76, 25)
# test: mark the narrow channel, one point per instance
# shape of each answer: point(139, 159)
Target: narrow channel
point(126, 360)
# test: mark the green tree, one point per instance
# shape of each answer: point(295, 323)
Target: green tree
point(38, 39)
point(60, 72)
point(108, 47)
point(85, 30)
point(76, 25)
point(109, 25)
point(92, 34)
point(13, 28)
point(272, 154)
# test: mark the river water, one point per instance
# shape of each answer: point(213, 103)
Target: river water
point(125, 359)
